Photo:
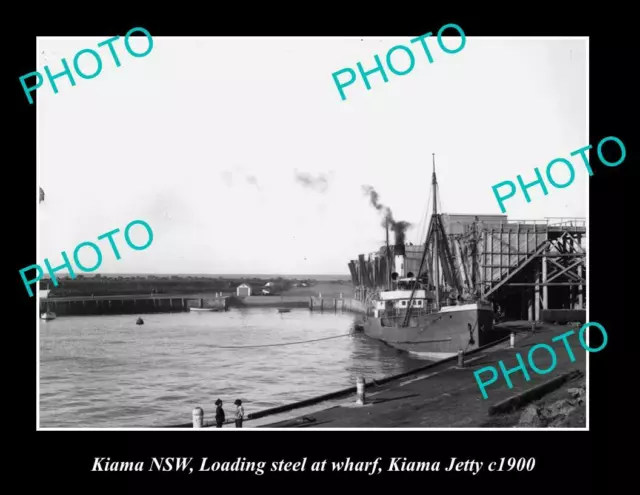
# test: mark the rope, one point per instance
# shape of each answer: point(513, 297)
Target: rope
point(471, 336)
point(277, 345)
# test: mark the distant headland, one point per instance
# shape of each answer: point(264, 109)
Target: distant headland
point(129, 284)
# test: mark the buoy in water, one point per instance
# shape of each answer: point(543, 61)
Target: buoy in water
point(139, 321)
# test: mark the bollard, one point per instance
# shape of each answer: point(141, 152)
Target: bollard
point(360, 391)
point(198, 417)
point(461, 358)
point(533, 327)
point(512, 340)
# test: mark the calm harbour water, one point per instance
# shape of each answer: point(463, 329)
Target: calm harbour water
point(106, 372)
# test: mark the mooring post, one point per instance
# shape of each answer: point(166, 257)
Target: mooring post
point(198, 417)
point(360, 398)
point(461, 358)
point(512, 340)
point(533, 327)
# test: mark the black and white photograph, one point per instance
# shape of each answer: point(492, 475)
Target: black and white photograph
point(314, 233)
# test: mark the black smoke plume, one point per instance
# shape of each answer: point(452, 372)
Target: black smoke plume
point(399, 228)
point(320, 184)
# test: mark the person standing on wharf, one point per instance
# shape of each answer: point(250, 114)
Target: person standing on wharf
point(94, 54)
point(67, 264)
point(392, 67)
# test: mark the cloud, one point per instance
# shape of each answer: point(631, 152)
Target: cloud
point(251, 179)
point(320, 183)
point(227, 177)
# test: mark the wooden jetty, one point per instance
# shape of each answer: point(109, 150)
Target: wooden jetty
point(169, 303)
point(532, 269)
point(129, 304)
point(441, 394)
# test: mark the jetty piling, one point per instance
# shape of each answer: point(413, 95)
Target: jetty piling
point(198, 417)
point(360, 394)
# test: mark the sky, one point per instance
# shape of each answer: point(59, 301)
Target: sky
point(209, 140)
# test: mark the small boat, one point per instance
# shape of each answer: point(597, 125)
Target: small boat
point(49, 315)
point(284, 310)
point(205, 309)
point(139, 321)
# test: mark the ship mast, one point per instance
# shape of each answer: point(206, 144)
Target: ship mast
point(436, 257)
point(424, 252)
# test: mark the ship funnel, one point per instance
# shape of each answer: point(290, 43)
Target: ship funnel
point(400, 265)
point(399, 259)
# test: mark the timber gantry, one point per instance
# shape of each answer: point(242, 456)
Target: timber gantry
point(526, 267)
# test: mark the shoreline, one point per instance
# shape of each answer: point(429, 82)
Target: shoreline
point(448, 396)
point(442, 394)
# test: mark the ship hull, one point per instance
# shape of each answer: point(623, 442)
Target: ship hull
point(438, 335)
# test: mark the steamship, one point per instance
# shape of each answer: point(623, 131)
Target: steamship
point(421, 313)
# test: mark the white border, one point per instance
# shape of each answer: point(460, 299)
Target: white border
point(187, 417)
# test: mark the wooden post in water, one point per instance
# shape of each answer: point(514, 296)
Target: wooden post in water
point(198, 417)
point(512, 340)
point(360, 396)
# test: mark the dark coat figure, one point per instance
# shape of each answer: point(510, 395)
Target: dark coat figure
point(219, 414)
point(239, 413)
